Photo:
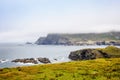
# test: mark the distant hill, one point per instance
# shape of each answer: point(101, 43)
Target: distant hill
point(66, 39)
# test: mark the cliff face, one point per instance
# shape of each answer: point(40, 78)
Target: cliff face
point(71, 39)
point(40, 40)
point(53, 39)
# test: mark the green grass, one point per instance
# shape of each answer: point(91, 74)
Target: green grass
point(99, 69)
point(112, 51)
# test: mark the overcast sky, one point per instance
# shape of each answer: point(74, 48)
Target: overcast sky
point(27, 20)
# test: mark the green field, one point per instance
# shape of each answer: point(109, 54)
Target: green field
point(98, 69)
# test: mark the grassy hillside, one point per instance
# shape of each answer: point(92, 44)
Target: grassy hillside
point(111, 50)
point(94, 36)
point(99, 69)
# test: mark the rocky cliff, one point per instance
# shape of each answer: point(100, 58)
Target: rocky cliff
point(82, 38)
point(53, 39)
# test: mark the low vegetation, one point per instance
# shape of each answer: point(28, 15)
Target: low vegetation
point(112, 51)
point(98, 69)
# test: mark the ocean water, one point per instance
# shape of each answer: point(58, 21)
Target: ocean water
point(9, 52)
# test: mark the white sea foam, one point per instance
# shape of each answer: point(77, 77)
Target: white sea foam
point(3, 60)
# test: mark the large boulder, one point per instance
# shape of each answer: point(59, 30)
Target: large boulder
point(43, 60)
point(87, 54)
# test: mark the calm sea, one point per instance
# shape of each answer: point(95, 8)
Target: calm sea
point(10, 52)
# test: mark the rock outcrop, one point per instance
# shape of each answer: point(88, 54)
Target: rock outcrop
point(87, 54)
point(32, 60)
point(26, 60)
point(44, 60)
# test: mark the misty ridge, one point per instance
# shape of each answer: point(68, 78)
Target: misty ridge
point(26, 20)
point(109, 38)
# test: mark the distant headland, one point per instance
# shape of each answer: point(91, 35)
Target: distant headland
point(106, 38)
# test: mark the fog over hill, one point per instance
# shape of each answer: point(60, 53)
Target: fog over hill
point(27, 20)
point(56, 39)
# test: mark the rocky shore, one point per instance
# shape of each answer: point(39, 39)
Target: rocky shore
point(82, 54)
point(26, 60)
point(32, 60)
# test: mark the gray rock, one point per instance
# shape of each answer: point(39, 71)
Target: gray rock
point(87, 54)
point(26, 60)
point(44, 60)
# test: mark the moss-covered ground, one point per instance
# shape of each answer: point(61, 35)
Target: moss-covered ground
point(98, 69)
